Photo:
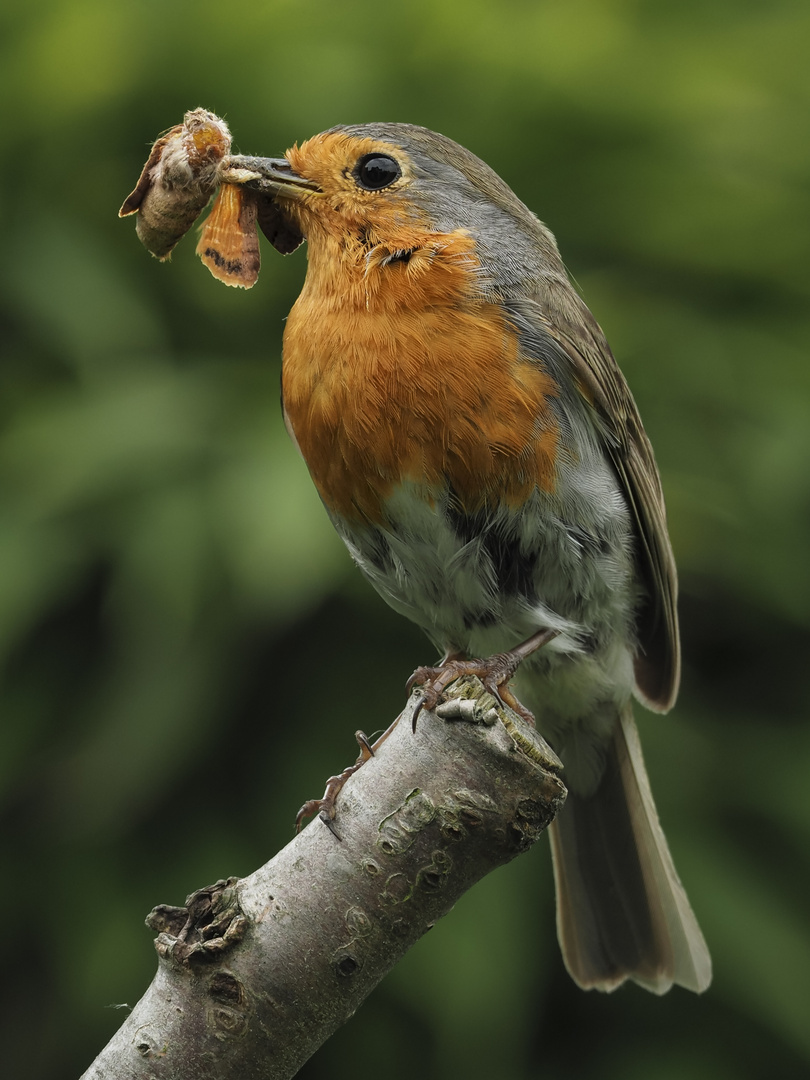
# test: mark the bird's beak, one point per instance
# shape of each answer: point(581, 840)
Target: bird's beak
point(272, 176)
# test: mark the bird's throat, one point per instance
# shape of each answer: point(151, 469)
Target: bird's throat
point(397, 370)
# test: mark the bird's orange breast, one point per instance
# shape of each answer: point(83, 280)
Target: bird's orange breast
point(395, 370)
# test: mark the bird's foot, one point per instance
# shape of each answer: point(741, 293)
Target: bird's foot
point(493, 671)
point(325, 806)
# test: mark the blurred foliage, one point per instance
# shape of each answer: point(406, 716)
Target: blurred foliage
point(170, 588)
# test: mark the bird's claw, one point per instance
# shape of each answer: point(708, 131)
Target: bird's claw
point(325, 806)
point(493, 671)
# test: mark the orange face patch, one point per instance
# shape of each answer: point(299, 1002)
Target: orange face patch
point(397, 369)
point(342, 208)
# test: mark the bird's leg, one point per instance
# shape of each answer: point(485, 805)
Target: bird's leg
point(325, 807)
point(493, 671)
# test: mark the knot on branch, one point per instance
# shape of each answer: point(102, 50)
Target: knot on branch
point(210, 923)
point(532, 816)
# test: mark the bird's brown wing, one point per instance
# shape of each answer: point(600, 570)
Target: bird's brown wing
point(602, 385)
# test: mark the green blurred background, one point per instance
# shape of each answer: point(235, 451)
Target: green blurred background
point(174, 606)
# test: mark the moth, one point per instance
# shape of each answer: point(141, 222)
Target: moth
point(186, 166)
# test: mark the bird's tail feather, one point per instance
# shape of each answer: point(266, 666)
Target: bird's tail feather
point(622, 912)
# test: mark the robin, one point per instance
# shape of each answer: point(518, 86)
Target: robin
point(479, 452)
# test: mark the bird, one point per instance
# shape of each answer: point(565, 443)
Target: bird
point(479, 452)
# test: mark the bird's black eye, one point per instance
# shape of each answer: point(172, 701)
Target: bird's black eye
point(376, 171)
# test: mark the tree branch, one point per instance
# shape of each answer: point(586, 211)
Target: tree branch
point(255, 974)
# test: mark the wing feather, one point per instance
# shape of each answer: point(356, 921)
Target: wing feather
point(563, 317)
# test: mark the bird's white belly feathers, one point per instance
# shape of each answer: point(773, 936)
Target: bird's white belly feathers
point(481, 584)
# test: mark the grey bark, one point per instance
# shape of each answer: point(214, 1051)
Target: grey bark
point(255, 974)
